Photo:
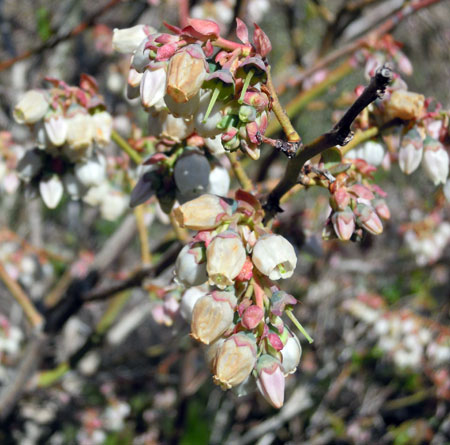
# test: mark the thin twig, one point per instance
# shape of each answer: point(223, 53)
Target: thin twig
point(238, 170)
point(126, 147)
point(339, 135)
point(143, 236)
point(33, 316)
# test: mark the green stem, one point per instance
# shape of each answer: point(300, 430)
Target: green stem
point(299, 326)
point(239, 172)
point(248, 79)
point(214, 97)
point(126, 147)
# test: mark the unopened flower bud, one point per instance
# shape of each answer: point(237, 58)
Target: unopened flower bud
point(29, 165)
point(103, 128)
point(92, 172)
point(405, 105)
point(252, 316)
point(367, 218)
point(202, 213)
point(186, 73)
point(190, 266)
point(343, 224)
point(270, 381)
point(274, 256)
point(291, 353)
point(235, 360)
point(153, 86)
point(56, 129)
point(381, 208)
point(212, 316)
point(31, 108)
point(51, 190)
point(128, 39)
point(410, 153)
point(225, 257)
point(435, 161)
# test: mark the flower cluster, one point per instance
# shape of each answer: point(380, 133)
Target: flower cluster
point(427, 238)
point(193, 81)
point(69, 123)
point(239, 315)
point(357, 204)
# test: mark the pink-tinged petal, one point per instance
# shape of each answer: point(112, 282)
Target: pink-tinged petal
point(261, 41)
point(155, 159)
point(242, 195)
point(275, 341)
point(361, 191)
point(201, 29)
point(252, 131)
point(166, 38)
point(343, 224)
point(252, 316)
point(279, 300)
point(246, 272)
point(246, 302)
point(172, 28)
point(377, 189)
point(208, 49)
point(241, 31)
point(270, 381)
point(166, 51)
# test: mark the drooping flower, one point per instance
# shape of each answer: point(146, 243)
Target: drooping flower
point(212, 316)
point(435, 161)
point(274, 256)
point(234, 360)
point(31, 108)
point(270, 381)
point(190, 266)
point(291, 353)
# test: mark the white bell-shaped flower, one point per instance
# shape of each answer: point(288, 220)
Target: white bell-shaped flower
point(219, 181)
point(291, 353)
point(56, 129)
point(92, 172)
point(435, 161)
point(153, 86)
point(51, 190)
point(31, 108)
point(128, 39)
point(190, 270)
point(274, 256)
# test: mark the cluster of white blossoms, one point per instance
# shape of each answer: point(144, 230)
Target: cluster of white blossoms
point(70, 124)
point(427, 239)
point(232, 301)
point(409, 341)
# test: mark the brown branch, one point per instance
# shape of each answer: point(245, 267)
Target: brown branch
point(339, 135)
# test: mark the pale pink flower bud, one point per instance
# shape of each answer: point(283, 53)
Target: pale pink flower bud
point(367, 218)
point(291, 353)
point(202, 213)
point(189, 299)
point(186, 73)
point(91, 172)
point(235, 360)
point(212, 316)
point(274, 256)
point(51, 190)
point(80, 132)
point(381, 208)
point(31, 108)
point(153, 86)
point(410, 153)
point(190, 267)
point(29, 165)
point(128, 39)
point(343, 224)
point(219, 181)
point(435, 161)
point(103, 127)
point(252, 316)
point(405, 105)
point(270, 381)
point(225, 257)
point(56, 129)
